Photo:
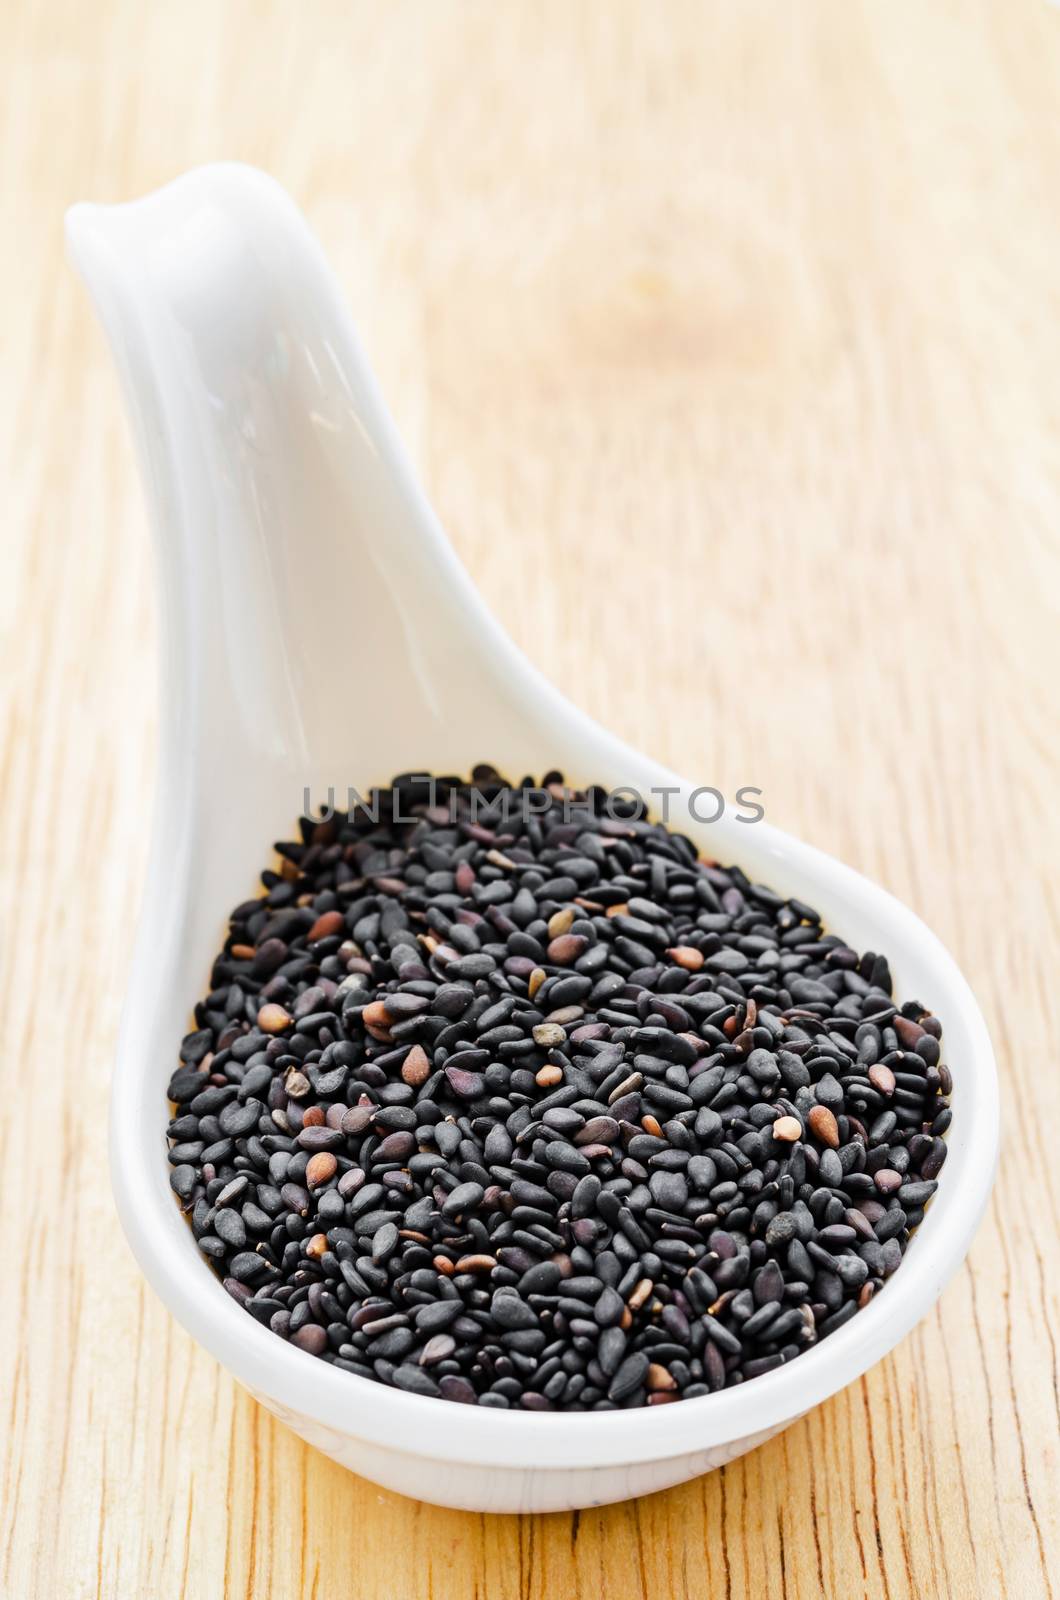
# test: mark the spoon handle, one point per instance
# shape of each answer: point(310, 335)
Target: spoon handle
point(299, 558)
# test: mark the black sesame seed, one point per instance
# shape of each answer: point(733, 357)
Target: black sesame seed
point(537, 1114)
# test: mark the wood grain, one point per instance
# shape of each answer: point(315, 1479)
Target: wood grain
point(727, 337)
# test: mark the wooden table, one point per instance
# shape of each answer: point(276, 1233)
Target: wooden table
point(728, 340)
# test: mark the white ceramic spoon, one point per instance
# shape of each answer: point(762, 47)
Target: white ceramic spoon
point(319, 630)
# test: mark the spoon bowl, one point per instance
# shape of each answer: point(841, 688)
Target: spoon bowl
point(318, 632)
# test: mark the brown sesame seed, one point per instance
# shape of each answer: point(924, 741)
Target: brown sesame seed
point(787, 1129)
point(567, 948)
point(640, 1293)
point(273, 1018)
point(685, 955)
point(320, 1168)
point(882, 1078)
point(327, 925)
point(548, 1035)
point(823, 1125)
point(416, 1068)
point(477, 1263)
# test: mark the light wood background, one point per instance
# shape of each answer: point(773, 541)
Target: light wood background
point(728, 339)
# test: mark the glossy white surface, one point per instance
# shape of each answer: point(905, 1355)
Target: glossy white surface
point(319, 630)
